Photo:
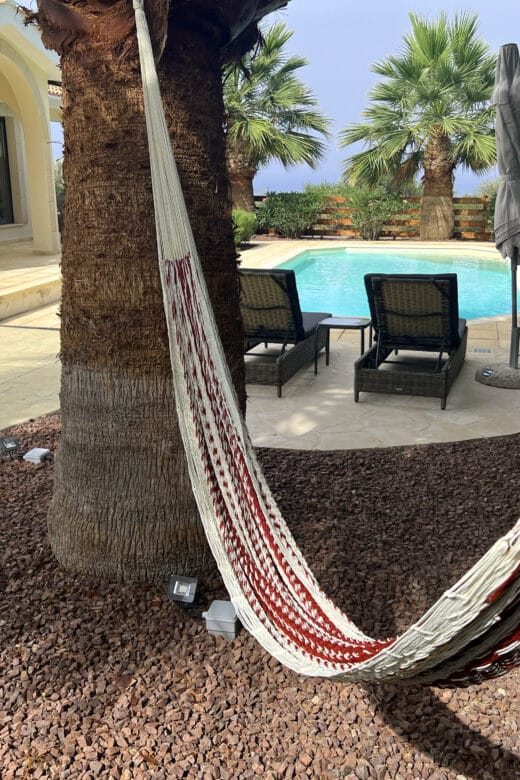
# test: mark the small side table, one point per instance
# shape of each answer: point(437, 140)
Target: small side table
point(342, 323)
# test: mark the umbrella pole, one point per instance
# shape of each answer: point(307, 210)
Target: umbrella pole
point(513, 355)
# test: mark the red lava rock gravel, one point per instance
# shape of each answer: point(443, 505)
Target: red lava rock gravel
point(102, 680)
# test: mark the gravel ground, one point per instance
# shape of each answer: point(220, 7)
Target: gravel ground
point(103, 680)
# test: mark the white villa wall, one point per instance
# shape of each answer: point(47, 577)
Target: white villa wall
point(25, 70)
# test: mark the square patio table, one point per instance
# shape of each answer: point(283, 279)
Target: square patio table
point(342, 323)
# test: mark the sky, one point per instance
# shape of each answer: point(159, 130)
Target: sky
point(341, 39)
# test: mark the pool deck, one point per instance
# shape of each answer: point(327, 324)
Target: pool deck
point(319, 412)
point(315, 412)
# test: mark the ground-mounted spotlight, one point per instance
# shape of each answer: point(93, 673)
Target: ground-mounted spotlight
point(9, 446)
point(182, 589)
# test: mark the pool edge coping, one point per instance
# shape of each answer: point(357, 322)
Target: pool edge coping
point(302, 245)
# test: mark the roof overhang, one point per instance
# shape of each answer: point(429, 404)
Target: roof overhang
point(27, 41)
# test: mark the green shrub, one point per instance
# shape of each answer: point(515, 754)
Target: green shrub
point(290, 214)
point(490, 212)
point(60, 191)
point(332, 209)
point(244, 226)
point(489, 189)
point(327, 190)
point(370, 209)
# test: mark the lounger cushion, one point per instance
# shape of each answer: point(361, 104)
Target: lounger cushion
point(462, 328)
point(311, 320)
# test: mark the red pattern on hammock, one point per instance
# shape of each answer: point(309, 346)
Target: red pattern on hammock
point(280, 597)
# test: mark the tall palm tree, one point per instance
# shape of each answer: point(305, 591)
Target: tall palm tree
point(122, 505)
point(270, 114)
point(430, 113)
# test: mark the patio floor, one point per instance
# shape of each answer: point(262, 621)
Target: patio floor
point(318, 412)
point(315, 412)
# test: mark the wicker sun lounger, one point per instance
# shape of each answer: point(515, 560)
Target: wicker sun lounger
point(412, 312)
point(271, 313)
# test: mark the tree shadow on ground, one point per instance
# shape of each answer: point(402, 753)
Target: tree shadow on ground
point(383, 546)
point(432, 727)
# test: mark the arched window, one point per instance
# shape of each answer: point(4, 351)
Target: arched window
point(6, 199)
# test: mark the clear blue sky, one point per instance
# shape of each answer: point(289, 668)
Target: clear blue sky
point(341, 39)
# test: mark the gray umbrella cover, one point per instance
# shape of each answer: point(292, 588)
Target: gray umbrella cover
point(506, 98)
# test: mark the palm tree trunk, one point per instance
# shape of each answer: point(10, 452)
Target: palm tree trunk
point(437, 214)
point(191, 87)
point(241, 172)
point(122, 505)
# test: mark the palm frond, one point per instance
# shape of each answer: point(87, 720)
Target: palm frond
point(476, 151)
point(367, 167)
point(270, 109)
point(439, 84)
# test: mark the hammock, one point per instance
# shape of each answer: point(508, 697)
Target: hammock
point(470, 634)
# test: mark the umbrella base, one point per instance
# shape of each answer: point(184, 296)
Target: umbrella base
point(499, 375)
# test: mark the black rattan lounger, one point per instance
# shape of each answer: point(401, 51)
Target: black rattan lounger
point(271, 313)
point(414, 312)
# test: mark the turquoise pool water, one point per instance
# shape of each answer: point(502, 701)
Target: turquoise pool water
point(332, 279)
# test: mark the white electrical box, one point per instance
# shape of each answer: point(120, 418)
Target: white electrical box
point(221, 619)
point(37, 455)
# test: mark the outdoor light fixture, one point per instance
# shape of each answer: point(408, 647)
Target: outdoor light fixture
point(182, 589)
point(9, 446)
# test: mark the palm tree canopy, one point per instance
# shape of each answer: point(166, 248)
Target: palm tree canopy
point(439, 85)
point(269, 109)
point(237, 21)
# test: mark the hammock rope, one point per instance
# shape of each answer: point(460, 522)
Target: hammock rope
point(471, 633)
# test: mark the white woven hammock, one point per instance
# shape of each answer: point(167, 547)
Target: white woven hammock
point(471, 633)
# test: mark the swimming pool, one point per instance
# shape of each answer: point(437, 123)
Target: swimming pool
point(332, 279)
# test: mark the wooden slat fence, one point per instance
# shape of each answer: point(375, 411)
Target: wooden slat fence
point(470, 220)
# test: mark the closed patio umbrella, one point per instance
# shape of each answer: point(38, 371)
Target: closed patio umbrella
point(506, 98)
